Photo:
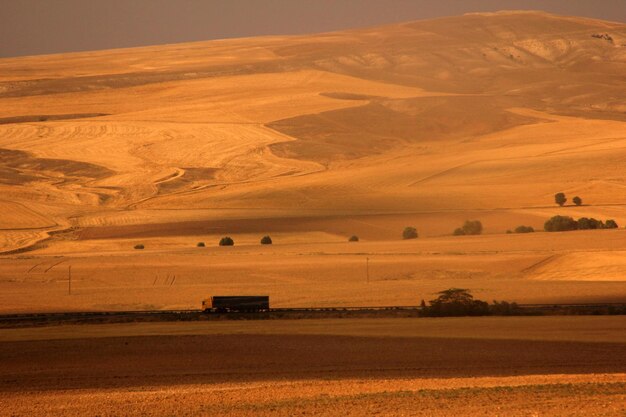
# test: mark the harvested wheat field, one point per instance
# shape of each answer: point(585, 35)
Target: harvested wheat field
point(122, 169)
point(172, 273)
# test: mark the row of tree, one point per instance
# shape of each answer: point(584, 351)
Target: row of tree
point(475, 227)
point(567, 223)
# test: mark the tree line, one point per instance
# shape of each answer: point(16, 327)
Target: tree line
point(567, 223)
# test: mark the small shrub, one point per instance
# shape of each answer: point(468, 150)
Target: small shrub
point(266, 240)
point(560, 224)
point(139, 246)
point(524, 229)
point(508, 232)
point(611, 224)
point(226, 241)
point(409, 233)
point(471, 227)
point(353, 238)
point(559, 198)
point(200, 244)
point(577, 200)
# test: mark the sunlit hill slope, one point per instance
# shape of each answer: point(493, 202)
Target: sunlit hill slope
point(480, 112)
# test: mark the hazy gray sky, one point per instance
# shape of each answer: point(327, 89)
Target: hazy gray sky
point(29, 27)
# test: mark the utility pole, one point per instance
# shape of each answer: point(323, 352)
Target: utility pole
point(69, 280)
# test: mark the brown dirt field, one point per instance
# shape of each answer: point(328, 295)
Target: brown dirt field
point(585, 329)
point(163, 360)
point(567, 365)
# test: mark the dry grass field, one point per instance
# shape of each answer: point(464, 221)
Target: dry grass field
point(467, 366)
point(314, 269)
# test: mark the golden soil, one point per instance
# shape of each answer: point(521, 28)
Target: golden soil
point(554, 395)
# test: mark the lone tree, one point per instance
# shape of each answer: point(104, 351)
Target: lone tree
point(226, 241)
point(454, 295)
point(457, 302)
point(266, 240)
point(353, 238)
point(560, 199)
point(577, 200)
point(560, 224)
point(409, 233)
point(471, 227)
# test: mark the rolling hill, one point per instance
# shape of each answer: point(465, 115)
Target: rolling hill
point(364, 131)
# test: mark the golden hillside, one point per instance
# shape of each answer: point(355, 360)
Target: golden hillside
point(314, 138)
point(481, 111)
